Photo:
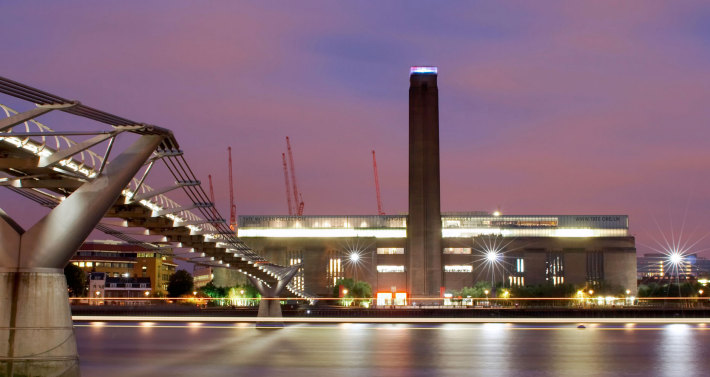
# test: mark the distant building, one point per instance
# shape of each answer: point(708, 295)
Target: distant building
point(201, 276)
point(102, 289)
point(122, 260)
point(657, 266)
point(514, 250)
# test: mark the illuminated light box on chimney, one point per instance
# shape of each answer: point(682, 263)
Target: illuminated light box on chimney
point(421, 70)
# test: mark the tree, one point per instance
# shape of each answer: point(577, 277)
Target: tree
point(180, 283)
point(356, 290)
point(76, 280)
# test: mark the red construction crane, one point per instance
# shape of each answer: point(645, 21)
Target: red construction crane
point(209, 176)
point(232, 206)
point(298, 198)
point(288, 186)
point(377, 185)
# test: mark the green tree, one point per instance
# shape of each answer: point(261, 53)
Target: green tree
point(347, 283)
point(180, 283)
point(357, 290)
point(213, 291)
point(76, 280)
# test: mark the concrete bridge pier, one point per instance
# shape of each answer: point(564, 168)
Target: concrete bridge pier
point(270, 306)
point(36, 332)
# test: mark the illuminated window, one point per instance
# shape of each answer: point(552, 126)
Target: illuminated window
point(400, 298)
point(81, 264)
point(390, 250)
point(335, 269)
point(384, 298)
point(519, 265)
point(389, 268)
point(554, 268)
point(89, 264)
point(454, 268)
point(457, 250)
point(298, 280)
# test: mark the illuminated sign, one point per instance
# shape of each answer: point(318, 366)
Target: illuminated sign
point(420, 70)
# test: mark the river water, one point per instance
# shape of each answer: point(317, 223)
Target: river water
point(213, 349)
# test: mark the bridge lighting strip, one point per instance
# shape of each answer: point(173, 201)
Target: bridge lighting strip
point(446, 232)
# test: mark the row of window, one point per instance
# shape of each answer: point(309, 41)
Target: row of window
point(104, 264)
point(129, 285)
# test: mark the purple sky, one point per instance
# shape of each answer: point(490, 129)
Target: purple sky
point(599, 107)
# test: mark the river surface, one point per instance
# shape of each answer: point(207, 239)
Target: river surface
point(212, 349)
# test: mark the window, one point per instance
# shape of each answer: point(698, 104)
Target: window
point(554, 268)
point(335, 268)
point(389, 268)
point(390, 250)
point(457, 250)
point(595, 266)
point(295, 258)
point(516, 280)
point(455, 268)
point(519, 265)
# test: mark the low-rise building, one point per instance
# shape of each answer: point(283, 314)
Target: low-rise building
point(123, 260)
point(118, 290)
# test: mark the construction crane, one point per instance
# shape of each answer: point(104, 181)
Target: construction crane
point(232, 206)
point(209, 176)
point(298, 198)
point(288, 186)
point(377, 185)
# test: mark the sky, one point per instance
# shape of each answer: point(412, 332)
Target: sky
point(546, 107)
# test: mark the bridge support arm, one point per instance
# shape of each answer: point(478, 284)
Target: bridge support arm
point(36, 333)
point(53, 240)
point(269, 306)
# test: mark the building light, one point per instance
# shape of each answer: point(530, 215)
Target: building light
point(457, 250)
point(458, 268)
point(389, 268)
point(390, 250)
point(423, 70)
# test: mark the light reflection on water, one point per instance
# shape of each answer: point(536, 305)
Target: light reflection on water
point(676, 352)
point(496, 349)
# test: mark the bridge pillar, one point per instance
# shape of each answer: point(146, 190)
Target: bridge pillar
point(36, 332)
point(270, 306)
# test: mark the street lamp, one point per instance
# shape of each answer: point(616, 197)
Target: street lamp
point(354, 257)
